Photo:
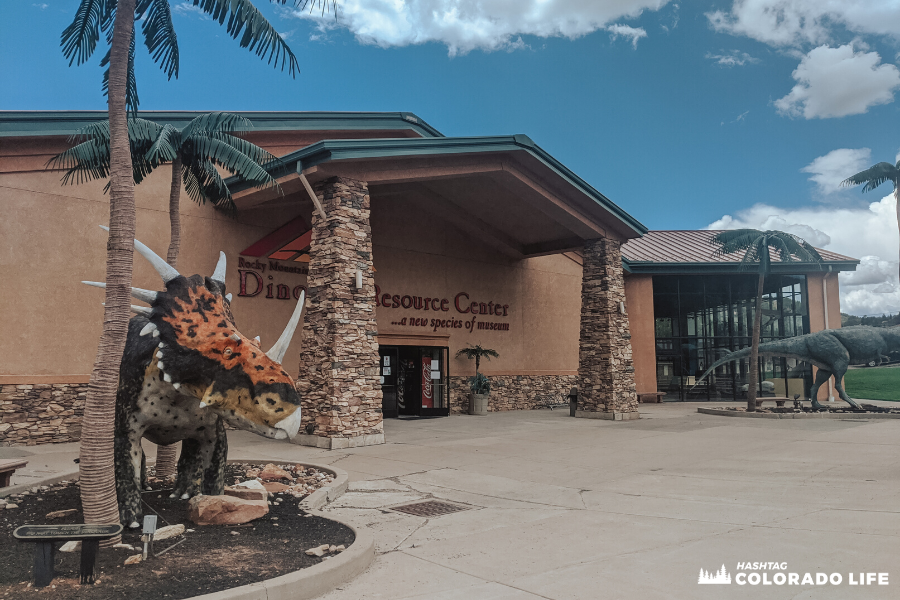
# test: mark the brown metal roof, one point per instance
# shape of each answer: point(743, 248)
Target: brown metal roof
point(694, 246)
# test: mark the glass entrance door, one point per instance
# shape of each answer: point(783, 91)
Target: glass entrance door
point(414, 381)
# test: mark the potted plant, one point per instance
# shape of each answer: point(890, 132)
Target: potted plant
point(479, 384)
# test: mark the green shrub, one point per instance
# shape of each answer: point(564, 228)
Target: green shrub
point(479, 384)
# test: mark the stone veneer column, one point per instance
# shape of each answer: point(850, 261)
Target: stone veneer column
point(605, 369)
point(339, 387)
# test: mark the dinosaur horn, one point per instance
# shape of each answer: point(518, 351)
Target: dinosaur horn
point(165, 271)
point(219, 274)
point(138, 310)
point(278, 351)
point(148, 296)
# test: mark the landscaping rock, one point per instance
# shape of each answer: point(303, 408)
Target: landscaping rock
point(58, 514)
point(272, 473)
point(70, 546)
point(318, 551)
point(247, 493)
point(275, 487)
point(225, 510)
point(133, 560)
point(128, 547)
point(164, 533)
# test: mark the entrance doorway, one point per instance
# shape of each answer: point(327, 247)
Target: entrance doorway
point(414, 381)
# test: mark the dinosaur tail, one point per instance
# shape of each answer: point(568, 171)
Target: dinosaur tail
point(790, 347)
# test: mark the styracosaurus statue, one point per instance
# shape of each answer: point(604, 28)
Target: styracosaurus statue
point(831, 350)
point(186, 371)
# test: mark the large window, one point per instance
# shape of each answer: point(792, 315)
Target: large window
point(700, 319)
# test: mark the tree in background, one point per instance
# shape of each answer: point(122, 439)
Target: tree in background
point(756, 247)
point(115, 19)
point(874, 176)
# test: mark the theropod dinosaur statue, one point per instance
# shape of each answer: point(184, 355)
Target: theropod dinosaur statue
point(185, 372)
point(831, 350)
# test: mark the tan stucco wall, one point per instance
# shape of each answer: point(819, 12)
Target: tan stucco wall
point(50, 323)
point(418, 255)
point(639, 305)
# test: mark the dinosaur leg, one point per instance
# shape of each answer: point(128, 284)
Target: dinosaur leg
point(838, 380)
point(128, 458)
point(190, 470)
point(144, 484)
point(822, 377)
point(214, 478)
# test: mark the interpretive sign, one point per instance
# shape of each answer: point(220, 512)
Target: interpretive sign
point(45, 538)
point(33, 533)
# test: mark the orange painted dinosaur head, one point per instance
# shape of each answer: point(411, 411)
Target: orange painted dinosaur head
point(201, 353)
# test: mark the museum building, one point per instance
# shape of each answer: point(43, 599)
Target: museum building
point(409, 246)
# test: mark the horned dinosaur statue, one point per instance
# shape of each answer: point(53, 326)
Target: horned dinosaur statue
point(186, 371)
point(831, 350)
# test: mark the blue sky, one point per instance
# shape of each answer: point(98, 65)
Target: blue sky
point(714, 112)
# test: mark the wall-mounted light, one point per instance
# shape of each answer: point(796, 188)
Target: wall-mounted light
point(359, 282)
point(622, 307)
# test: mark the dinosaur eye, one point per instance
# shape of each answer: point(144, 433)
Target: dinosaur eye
point(227, 351)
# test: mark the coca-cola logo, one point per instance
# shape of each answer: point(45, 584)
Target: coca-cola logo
point(426, 378)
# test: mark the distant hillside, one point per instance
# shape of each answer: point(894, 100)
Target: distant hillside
point(882, 321)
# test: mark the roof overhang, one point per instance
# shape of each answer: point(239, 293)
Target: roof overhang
point(504, 190)
point(699, 268)
point(67, 122)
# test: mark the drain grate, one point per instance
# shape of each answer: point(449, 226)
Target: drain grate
point(431, 508)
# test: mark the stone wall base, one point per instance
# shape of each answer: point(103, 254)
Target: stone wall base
point(41, 413)
point(512, 392)
point(337, 443)
point(609, 416)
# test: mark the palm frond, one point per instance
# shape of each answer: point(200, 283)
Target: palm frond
point(203, 183)
point(735, 240)
point(216, 122)
point(88, 161)
point(159, 34)
point(204, 146)
point(875, 176)
point(166, 145)
point(79, 39)
point(252, 29)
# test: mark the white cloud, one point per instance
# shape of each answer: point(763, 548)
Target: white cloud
point(733, 58)
point(635, 33)
point(799, 22)
point(868, 233)
point(836, 166)
point(836, 82)
point(186, 8)
point(465, 25)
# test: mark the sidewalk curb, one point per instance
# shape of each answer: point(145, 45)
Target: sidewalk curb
point(817, 415)
point(312, 581)
point(24, 487)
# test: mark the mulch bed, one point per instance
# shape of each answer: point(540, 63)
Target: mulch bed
point(210, 559)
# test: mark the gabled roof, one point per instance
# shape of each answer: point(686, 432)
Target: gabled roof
point(66, 122)
point(693, 251)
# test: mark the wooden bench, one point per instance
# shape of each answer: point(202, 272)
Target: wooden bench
point(45, 538)
point(8, 466)
point(650, 397)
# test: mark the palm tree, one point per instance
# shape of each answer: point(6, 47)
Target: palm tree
point(194, 152)
point(477, 352)
point(115, 19)
point(756, 247)
point(875, 176)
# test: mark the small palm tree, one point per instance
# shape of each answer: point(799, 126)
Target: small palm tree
point(874, 176)
point(194, 152)
point(756, 247)
point(477, 352)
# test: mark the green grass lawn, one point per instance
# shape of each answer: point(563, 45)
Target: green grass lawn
point(874, 383)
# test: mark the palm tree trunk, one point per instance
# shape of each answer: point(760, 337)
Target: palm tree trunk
point(97, 471)
point(753, 375)
point(897, 203)
point(477, 363)
point(174, 214)
point(166, 456)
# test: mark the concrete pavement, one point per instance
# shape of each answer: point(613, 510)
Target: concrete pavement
point(574, 508)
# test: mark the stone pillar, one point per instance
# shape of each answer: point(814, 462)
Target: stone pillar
point(339, 387)
point(605, 368)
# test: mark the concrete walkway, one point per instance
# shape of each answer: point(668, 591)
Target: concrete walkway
point(575, 508)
